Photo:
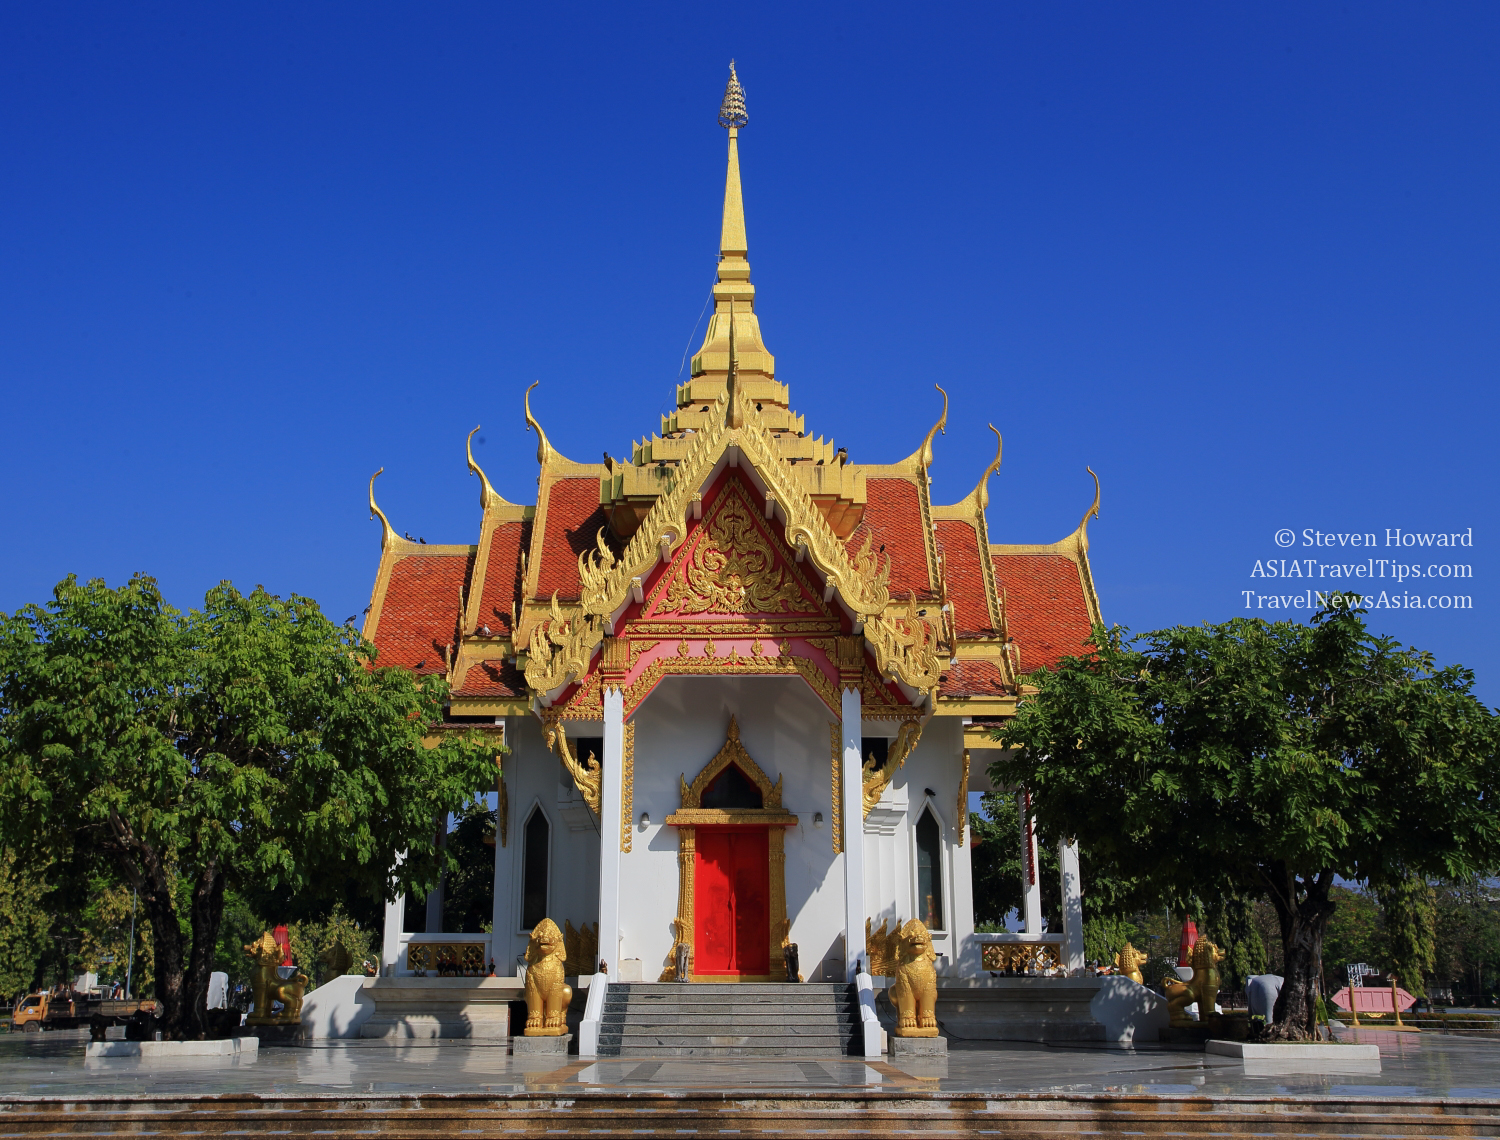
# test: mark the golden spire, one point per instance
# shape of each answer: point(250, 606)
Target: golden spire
point(387, 533)
point(756, 366)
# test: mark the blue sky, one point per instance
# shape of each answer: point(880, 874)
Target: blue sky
point(1241, 260)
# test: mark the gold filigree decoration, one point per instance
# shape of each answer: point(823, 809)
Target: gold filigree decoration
point(784, 665)
point(586, 775)
point(734, 753)
point(581, 945)
point(586, 703)
point(878, 777)
point(627, 789)
point(904, 644)
point(882, 949)
point(775, 627)
point(456, 959)
point(733, 569)
point(561, 649)
point(1020, 957)
point(836, 816)
point(963, 801)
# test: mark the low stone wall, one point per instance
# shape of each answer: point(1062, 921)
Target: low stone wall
point(1019, 1009)
point(440, 1007)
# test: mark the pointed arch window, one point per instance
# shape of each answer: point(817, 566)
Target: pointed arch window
point(538, 837)
point(930, 871)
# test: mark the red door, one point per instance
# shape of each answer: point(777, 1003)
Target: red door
point(732, 902)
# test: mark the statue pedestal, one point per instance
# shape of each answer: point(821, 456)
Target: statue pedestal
point(275, 1033)
point(903, 1047)
point(537, 1046)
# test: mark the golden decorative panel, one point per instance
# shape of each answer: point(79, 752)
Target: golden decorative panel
point(782, 664)
point(586, 774)
point(963, 800)
point(581, 946)
point(734, 753)
point(836, 816)
point(1020, 957)
point(734, 570)
point(627, 789)
point(446, 959)
point(876, 780)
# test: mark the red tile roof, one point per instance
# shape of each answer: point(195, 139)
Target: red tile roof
point(972, 679)
point(502, 575)
point(420, 612)
point(1046, 612)
point(958, 542)
point(894, 516)
point(574, 518)
point(492, 679)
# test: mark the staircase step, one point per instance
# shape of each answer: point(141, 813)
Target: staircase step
point(714, 1019)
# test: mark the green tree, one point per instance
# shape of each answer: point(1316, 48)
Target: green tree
point(1410, 910)
point(1254, 758)
point(1103, 938)
point(996, 865)
point(1353, 934)
point(252, 741)
point(23, 934)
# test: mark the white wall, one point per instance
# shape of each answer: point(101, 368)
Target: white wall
point(890, 842)
point(785, 728)
point(535, 777)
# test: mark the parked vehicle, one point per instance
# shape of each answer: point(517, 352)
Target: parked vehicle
point(65, 1008)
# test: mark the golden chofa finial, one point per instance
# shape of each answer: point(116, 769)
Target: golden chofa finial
point(926, 454)
point(486, 492)
point(387, 533)
point(982, 492)
point(543, 448)
point(1092, 513)
point(732, 111)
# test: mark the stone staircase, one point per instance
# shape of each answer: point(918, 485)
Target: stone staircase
point(777, 1019)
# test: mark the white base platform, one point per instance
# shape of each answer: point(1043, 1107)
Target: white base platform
point(245, 1047)
point(440, 1007)
point(1309, 1057)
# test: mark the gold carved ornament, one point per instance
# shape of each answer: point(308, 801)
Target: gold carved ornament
point(561, 649)
point(903, 642)
point(265, 955)
point(585, 778)
point(1019, 957)
point(627, 789)
point(446, 959)
point(836, 748)
point(963, 800)
point(878, 777)
point(733, 569)
point(905, 953)
point(1129, 962)
point(1203, 989)
point(780, 664)
point(581, 946)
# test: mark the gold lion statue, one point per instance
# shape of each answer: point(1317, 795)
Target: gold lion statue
point(915, 990)
point(265, 954)
point(1129, 962)
point(547, 995)
point(1203, 989)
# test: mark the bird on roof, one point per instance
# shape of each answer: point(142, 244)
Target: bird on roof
point(484, 629)
point(423, 541)
point(842, 455)
point(409, 537)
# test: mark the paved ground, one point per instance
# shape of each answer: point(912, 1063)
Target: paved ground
point(1413, 1065)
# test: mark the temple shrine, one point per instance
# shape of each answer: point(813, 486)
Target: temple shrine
point(744, 685)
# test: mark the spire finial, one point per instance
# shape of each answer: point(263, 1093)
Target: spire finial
point(732, 110)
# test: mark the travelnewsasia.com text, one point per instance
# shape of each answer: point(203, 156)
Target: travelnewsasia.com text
point(1317, 600)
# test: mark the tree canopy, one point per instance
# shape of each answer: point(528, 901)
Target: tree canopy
point(1253, 758)
point(251, 743)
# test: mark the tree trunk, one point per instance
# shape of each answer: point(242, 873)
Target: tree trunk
point(207, 911)
point(1303, 909)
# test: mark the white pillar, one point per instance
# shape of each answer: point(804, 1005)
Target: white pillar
point(395, 920)
point(502, 919)
point(1072, 908)
point(1031, 883)
point(610, 799)
point(435, 896)
point(854, 836)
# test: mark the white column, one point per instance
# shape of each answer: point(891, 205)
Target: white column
point(610, 799)
point(1072, 908)
point(1031, 883)
point(395, 920)
point(854, 836)
point(502, 919)
point(435, 896)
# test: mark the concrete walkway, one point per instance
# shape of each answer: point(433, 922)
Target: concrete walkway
point(1413, 1066)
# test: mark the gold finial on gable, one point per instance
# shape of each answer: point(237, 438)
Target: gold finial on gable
point(486, 492)
point(543, 447)
point(387, 532)
point(925, 455)
point(1092, 513)
point(732, 110)
point(982, 492)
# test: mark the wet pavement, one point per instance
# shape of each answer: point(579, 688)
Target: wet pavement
point(1412, 1065)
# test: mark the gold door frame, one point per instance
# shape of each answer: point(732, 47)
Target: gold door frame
point(693, 815)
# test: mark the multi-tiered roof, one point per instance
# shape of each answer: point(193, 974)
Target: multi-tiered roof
point(732, 522)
